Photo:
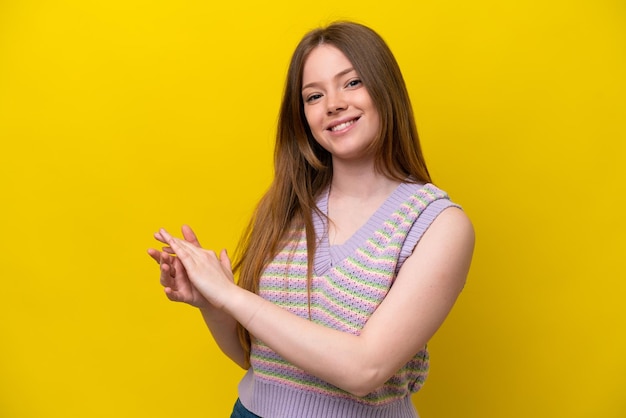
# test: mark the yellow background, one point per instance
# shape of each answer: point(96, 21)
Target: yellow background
point(121, 116)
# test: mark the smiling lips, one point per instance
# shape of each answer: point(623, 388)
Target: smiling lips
point(342, 125)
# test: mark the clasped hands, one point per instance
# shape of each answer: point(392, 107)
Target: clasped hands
point(191, 274)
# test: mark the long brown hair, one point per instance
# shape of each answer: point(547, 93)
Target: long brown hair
point(303, 169)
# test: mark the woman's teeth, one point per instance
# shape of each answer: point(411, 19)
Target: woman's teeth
point(342, 125)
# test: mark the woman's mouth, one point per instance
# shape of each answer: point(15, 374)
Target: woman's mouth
point(342, 125)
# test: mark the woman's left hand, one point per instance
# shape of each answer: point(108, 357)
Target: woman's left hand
point(211, 275)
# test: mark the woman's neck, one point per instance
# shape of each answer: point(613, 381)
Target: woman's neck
point(360, 182)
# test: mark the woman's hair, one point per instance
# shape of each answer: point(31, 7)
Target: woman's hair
point(303, 169)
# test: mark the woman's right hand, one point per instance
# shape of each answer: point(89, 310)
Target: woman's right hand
point(174, 279)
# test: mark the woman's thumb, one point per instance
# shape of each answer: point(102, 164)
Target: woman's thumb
point(225, 260)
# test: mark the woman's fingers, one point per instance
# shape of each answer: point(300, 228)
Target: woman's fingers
point(184, 265)
point(167, 250)
point(168, 272)
point(171, 294)
point(190, 236)
point(183, 247)
point(225, 260)
point(155, 255)
point(164, 237)
point(159, 237)
point(167, 269)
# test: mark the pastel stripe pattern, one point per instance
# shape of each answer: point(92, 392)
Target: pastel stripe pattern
point(349, 283)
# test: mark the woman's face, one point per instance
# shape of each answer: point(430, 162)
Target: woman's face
point(338, 108)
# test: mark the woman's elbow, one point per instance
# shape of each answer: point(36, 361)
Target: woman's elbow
point(364, 382)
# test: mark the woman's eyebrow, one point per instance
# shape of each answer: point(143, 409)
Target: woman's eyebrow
point(338, 75)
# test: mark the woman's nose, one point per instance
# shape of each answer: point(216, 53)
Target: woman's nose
point(336, 103)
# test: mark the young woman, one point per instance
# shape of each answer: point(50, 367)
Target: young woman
point(353, 258)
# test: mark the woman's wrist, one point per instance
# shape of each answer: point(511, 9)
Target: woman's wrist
point(219, 300)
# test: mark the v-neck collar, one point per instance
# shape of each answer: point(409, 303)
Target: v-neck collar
point(326, 256)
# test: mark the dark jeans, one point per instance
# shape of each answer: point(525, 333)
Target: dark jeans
point(240, 411)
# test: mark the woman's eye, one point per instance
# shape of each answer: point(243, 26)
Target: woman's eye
point(354, 83)
point(313, 97)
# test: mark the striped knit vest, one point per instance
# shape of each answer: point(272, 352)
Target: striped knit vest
point(347, 287)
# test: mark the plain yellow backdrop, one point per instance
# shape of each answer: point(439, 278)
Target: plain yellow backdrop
point(119, 117)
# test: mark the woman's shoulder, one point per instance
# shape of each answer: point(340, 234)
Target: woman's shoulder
point(421, 194)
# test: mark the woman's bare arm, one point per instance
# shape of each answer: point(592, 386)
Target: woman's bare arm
point(425, 290)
